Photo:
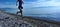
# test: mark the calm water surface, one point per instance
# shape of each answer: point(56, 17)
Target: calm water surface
point(50, 13)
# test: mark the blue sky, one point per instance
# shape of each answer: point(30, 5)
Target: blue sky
point(30, 3)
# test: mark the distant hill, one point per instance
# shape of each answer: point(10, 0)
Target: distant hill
point(4, 9)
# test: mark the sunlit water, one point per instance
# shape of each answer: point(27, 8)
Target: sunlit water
point(50, 13)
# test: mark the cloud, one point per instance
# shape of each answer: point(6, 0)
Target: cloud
point(7, 6)
point(39, 3)
point(32, 3)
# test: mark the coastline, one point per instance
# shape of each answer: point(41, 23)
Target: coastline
point(33, 20)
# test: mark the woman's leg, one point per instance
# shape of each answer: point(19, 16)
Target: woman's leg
point(21, 12)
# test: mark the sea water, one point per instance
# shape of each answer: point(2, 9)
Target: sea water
point(48, 13)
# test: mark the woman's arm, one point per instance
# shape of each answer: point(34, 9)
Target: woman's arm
point(16, 2)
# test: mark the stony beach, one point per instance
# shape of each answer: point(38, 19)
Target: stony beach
point(10, 20)
point(13, 20)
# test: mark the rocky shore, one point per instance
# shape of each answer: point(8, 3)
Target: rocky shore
point(13, 20)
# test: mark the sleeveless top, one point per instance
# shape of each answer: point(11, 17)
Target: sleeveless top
point(20, 2)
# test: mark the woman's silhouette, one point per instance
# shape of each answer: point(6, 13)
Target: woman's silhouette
point(20, 6)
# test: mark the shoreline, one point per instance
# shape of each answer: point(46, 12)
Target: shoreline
point(34, 18)
point(29, 20)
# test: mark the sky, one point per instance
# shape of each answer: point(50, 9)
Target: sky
point(30, 3)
